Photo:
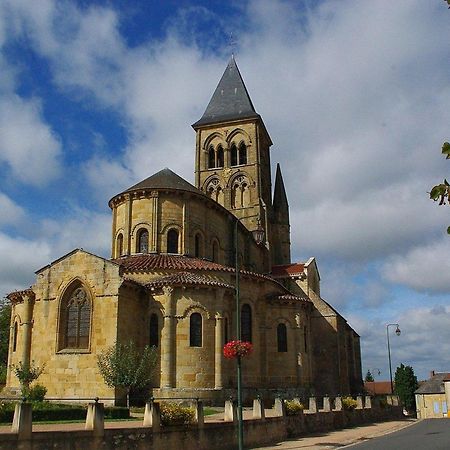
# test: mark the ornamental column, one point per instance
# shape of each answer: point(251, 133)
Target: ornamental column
point(219, 343)
point(298, 349)
point(28, 303)
point(168, 340)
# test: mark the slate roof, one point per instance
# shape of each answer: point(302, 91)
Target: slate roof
point(435, 385)
point(230, 100)
point(165, 179)
point(187, 279)
point(280, 202)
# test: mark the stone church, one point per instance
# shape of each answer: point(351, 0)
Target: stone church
point(171, 279)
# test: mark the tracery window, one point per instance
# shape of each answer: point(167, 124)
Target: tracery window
point(142, 241)
point(282, 337)
point(195, 330)
point(214, 190)
point(119, 245)
point(172, 241)
point(211, 157)
point(246, 323)
point(225, 330)
point(154, 331)
point(240, 194)
point(75, 320)
point(219, 156)
point(242, 153)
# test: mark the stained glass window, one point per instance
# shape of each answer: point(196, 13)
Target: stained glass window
point(246, 323)
point(282, 337)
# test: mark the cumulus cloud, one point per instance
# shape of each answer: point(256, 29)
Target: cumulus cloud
point(424, 268)
point(421, 329)
point(11, 213)
point(22, 258)
point(27, 143)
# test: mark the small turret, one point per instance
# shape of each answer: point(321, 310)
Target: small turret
point(281, 234)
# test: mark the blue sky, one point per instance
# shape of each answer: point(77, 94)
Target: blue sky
point(97, 95)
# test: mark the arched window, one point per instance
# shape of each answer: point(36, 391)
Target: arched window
point(75, 319)
point(172, 241)
point(282, 337)
point(154, 331)
point(240, 193)
point(219, 156)
point(234, 155)
point(15, 336)
point(246, 323)
point(242, 153)
point(211, 158)
point(119, 245)
point(198, 245)
point(142, 241)
point(195, 330)
point(215, 251)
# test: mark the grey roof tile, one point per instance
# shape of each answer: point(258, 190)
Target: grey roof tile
point(230, 100)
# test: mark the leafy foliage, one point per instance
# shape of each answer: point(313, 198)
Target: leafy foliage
point(293, 407)
point(175, 414)
point(35, 393)
point(26, 374)
point(441, 191)
point(126, 366)
point(349, 403)
point(5, 319)
point(369, 376)
point(405, 385)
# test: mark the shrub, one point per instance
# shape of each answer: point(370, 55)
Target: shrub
point(174, 414)
point(348, 403)
point(293, 407)
point(35, 393)
point(48, 412)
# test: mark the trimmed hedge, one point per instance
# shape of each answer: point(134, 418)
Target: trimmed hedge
point(49, 412)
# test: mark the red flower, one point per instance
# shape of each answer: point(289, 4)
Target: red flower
point(233, 349)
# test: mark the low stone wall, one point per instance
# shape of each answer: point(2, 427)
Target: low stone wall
point(201, 436)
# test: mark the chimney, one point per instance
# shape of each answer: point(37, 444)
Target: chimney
point(432, 374)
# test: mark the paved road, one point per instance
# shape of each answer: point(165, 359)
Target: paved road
point(428, 434)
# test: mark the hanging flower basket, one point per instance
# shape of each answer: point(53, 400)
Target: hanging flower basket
point(234, 349)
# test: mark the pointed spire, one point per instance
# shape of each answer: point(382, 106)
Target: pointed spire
point(230, 100)
point(280, 202)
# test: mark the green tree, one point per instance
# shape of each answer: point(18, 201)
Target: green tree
point(127, 367)
point(441, 191)
point(5, 319)
point(369, 376)
point(405, 385)
point(26, 374)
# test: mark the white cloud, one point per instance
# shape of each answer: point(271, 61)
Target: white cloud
point(425, 268)
point(421, 329)
point(27, 143)
point(11, 213)
point(21, 258)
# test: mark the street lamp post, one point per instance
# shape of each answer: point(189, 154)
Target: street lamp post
point(258, 235)
point(397, 332)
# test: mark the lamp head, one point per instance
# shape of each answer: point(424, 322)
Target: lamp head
point(258, 234)
point(397, 331)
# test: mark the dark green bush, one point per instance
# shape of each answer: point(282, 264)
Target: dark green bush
point(35, 393)
point(49, 412)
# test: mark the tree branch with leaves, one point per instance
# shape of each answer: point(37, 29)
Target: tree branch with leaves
point(441, 192)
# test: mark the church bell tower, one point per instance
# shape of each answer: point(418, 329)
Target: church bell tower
point(232, 163)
